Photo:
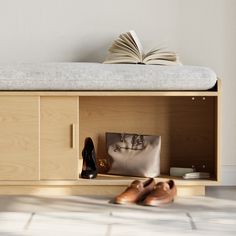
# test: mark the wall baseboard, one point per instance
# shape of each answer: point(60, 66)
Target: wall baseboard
point(228, 173)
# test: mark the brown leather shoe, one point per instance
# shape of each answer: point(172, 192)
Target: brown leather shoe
point(163, 193)
point(135, 192)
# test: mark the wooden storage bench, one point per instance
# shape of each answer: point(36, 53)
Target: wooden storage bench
point(42, 135)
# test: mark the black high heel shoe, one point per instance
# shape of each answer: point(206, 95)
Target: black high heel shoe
point(89, 169)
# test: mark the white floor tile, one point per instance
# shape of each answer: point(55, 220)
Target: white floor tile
point(197, 204)
point(215, 221)
point(152, 218)
point(69, 223)
point(13, 220)
point(77, 215)
point(143, 230)
point(65, 203)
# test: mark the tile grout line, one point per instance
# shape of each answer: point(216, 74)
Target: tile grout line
point(29, 221)
point(192, 224)
point(109, 227)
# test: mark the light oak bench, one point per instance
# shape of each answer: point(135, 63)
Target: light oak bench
point(42, 135)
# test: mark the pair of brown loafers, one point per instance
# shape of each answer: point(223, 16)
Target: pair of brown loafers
point(148, 192)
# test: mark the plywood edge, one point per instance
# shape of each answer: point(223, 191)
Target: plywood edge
point(86, 190)
point(103, 182)
point(218, 135)
point(108, 93)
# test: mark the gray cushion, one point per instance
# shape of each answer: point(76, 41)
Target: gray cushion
point(96, 76)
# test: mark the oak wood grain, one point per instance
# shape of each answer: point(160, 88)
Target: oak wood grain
point(19, 138)
point(58, 149)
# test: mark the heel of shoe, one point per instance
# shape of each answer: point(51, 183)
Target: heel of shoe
point(88, 174)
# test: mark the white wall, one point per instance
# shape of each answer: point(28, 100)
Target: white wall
point(202, 31)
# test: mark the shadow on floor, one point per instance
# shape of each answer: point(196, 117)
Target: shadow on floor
point(222, 192)
point(102, 204)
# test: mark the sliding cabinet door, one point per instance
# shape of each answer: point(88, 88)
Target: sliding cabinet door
point(59, 144)
point(19, 138)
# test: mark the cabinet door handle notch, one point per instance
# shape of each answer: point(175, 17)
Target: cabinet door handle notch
point(73, 135)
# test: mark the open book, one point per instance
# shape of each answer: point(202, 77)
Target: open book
point(128, 49)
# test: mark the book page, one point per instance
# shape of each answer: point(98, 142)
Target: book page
point(121, 60)
point(163, 62)
point(126, 47)
point(124, 50)
point(156, 55)
point(129, 42)
point(137, 41)
point(117, 53)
